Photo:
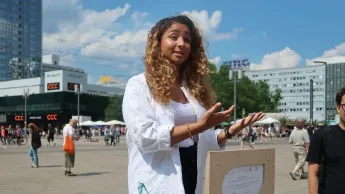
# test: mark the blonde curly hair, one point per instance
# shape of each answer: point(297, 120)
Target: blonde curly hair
point(194, 73)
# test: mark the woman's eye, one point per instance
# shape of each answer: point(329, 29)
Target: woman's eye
point(173, 37)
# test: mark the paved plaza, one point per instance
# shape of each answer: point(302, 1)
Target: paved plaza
point(102, 169)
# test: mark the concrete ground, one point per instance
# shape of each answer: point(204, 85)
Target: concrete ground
point(102, 169)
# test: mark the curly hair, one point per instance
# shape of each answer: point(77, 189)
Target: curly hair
point(194, 73)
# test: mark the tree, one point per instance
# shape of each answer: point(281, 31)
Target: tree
point(283, 120)
point(114, 109)
point(251, 96)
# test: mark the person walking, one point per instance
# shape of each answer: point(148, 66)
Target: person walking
point(35, 144)
point(246, 137)
point(71, 131)
point(170, 113)
point(50, 133)
point(326, 157)
point(299, 139)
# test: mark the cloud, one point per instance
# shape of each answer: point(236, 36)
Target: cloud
point(139, 15)
point(215, 60)
point(338, 50)
point(209, 25)
point(86, 28)
point(281, 59)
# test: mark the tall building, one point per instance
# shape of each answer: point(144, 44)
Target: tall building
point(52, 63)
point(20, 39)
point(335, 80)
point(295, 86)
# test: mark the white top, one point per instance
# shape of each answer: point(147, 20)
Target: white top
point(184, 113)
point(154, 165)
point(71, 131)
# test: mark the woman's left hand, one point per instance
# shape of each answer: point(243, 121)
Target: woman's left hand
point(237, 127)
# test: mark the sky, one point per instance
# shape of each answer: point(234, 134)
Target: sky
point(107, 37)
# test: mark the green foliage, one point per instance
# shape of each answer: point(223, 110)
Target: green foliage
point(251, 96)
point(114, 109)
point(283, 120)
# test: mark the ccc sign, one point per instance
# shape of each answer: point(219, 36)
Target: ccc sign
point(53, 86)
point(19, 118)
point(52, 117)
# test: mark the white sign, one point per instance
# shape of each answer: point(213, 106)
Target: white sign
point(244, 180)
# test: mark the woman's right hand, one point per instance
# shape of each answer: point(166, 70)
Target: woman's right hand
point(211, 118)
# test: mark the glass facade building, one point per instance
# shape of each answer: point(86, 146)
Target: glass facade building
point(335, 80)
point(20, 39)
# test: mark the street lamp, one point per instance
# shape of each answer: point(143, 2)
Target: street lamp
point(325, 63)
point(26, 94)
point(78, 89)
point(234, 76)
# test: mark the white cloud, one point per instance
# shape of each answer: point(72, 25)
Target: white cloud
point(215, 60)
point(338, 50)
point(127, 44)
point(209, 25)
point(89, 27)
point(139, 15)
point(280, 59)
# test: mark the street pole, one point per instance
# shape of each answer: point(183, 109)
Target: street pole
point(325, 107)
point(311, 100)
point(235, 94)
point(26, 94)
point(77, 90)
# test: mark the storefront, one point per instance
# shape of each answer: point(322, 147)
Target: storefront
point(55, 108)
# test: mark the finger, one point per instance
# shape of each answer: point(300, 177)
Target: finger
point(229, 111)
point(215, 107)
point(249, 119)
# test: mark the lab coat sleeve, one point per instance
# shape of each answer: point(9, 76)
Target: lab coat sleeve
point(140, 118)
point(210, 138)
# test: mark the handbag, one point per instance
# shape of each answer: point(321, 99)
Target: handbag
point(69, 145)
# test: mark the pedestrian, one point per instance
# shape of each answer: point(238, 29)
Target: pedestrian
point(170, 113)
point(326, 157)
point(51, 133)
point(4, 134)
point(70, 130)
point(299, 139)
point(18, 134)
point(112, 135)
point(35, 144)
point(246, 137)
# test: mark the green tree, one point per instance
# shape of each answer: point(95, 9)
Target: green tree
point(114, 108)
point(251, 96)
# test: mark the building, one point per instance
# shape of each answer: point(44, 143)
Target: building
point(295, 86)
point(109, 81)
point(335, 80)
point(20, 39)
point(52, 63)
point(54, 101)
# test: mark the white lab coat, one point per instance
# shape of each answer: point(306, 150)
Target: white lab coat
point(154, 165)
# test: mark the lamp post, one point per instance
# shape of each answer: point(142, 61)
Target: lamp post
point(234, 76)
point(324, 63)
point(78, 89)
point(25, 95)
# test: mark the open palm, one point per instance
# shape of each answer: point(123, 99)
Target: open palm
point(238, 126)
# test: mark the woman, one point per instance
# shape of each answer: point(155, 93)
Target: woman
point(169, 131)
point(35, 144)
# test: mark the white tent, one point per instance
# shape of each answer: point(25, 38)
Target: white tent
point(87, 123)
point(269, 120)
point(100, 123)
point(115, 122)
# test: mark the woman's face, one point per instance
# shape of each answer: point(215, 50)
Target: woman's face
point(176, 44)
